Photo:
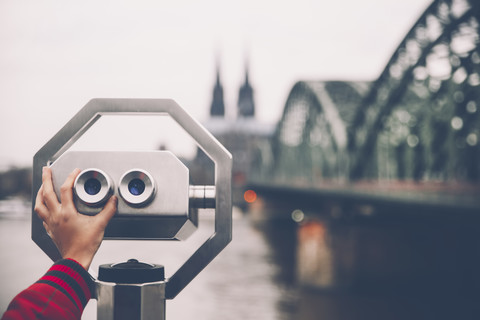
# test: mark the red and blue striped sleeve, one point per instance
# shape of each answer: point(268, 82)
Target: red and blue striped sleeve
point(62, 293)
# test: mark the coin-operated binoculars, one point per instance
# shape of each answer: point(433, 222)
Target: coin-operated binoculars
point(155, 202)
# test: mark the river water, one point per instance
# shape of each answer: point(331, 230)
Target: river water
point(253, 278)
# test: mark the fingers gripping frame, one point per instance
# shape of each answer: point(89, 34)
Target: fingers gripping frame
point(87, 116)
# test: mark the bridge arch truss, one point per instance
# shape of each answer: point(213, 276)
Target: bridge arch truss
point(311, 139)
point(420, 120)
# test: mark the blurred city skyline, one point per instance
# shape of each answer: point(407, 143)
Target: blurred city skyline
point(56, 56)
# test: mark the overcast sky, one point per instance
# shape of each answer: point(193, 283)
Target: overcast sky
point(57, 55)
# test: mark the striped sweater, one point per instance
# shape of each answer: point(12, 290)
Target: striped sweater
point(61, 293)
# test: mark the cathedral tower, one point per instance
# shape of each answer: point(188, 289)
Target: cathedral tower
point(246, 106)
point(217, 109)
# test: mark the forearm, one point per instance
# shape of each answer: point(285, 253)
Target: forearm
point(61, 293)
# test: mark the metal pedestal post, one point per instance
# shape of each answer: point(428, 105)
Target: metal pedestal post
point(131, 290)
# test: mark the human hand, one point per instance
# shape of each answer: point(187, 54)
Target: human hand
point(77, 236)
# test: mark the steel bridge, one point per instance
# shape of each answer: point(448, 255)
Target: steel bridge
point(409, 138)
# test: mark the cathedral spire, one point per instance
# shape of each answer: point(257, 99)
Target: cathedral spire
point(246, 106)
point(218, 107)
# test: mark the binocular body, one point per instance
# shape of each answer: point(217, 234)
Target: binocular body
point(155, 198)
point(152, 188)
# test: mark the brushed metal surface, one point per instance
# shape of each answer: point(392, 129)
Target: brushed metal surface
point(168, 172)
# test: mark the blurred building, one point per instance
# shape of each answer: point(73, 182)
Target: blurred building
point(246, 138)
point(16, 182)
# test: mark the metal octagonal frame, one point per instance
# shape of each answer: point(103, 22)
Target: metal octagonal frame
point(97, 108)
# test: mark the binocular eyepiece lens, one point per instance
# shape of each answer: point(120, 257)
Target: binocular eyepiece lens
point(93, 187)
point(137, 188)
